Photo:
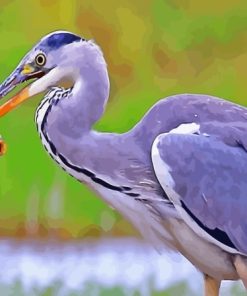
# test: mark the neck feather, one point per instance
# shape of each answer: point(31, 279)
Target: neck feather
point(89, 95)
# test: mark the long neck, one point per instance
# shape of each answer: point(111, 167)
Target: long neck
point(65, 126)
point(88, 98)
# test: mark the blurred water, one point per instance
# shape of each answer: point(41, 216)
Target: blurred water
point(126, 263)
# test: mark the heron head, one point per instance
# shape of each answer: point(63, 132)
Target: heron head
point(48, 63)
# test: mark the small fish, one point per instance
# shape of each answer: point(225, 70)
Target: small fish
point(3, 147)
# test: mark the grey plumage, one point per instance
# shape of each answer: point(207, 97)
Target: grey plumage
point(164, 179)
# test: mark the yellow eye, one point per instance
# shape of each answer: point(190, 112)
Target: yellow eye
point(40, 59)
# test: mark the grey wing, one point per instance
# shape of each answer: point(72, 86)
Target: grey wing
point(206, 179)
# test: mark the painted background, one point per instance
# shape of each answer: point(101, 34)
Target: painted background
point(154, 49)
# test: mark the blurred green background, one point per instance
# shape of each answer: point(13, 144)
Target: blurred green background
point(153, 49)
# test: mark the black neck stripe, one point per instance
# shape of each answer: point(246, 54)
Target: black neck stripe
point(84, 171)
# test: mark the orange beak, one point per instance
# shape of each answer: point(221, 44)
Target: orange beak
point(19, 75)
point(15, 101)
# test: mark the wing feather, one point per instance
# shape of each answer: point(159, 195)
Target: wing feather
point(205, 176)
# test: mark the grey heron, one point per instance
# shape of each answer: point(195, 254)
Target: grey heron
point(178, 175)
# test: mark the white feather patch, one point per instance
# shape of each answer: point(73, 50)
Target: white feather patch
point(186, 128)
